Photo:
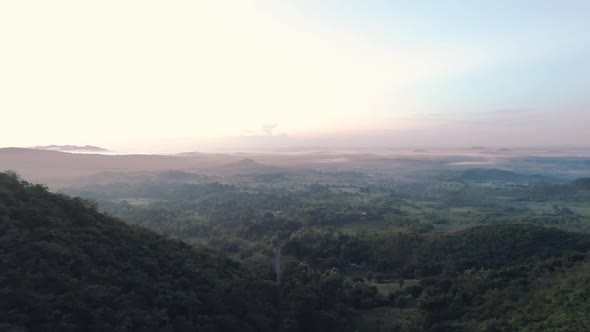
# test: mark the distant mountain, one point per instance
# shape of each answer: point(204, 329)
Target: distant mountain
point(494, 174)
point(503, 151)
point(52, 167)
point(72, 148)
point(247, 162)
point(190, 154)
point(248, 166)
point(581, 183)
point(67, 267)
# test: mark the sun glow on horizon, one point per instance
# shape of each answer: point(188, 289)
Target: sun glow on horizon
point(151, 73)
point(156, 71)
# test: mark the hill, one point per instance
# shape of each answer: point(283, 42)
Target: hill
point(493, 174)
point(67, 267)
point(72, 148)
point(247, 166)
point(53, 167)
point(59, 169)
point(537, 296)
point(581, 183)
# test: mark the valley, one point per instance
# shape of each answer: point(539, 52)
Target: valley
point(400, 245)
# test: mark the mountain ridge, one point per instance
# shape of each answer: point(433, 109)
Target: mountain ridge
point(67, 267)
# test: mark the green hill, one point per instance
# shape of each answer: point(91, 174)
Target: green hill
point(581, 183)
point(551, 295)
point(66, 267)
point(493, 174)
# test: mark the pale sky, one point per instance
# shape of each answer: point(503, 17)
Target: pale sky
point(171, 75)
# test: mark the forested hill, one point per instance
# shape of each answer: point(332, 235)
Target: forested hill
point(64, 267)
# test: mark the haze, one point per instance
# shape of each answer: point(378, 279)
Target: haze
point(156, 76)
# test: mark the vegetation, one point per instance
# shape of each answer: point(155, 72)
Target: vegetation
point(481, 250)
point(66, 267)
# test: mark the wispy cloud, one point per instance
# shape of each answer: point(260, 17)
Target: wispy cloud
point(265, 130)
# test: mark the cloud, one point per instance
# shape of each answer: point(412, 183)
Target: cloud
point(512, 110)
point(267, 129)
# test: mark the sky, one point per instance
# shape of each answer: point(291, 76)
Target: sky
point(187, 75)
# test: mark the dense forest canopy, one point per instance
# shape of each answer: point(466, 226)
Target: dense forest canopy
point(480, 250)
point(67, 267)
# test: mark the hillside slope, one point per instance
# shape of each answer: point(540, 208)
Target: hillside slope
point(64, 267)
